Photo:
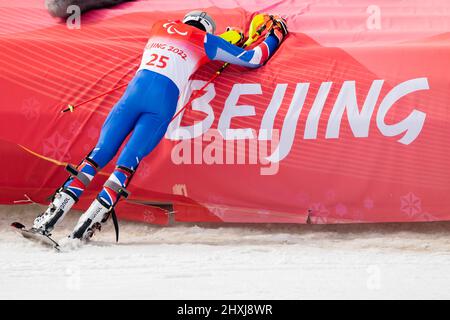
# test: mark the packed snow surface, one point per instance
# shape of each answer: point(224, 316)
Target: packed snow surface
point(228, 262)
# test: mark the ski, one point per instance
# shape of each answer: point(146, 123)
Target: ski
point(35, 236)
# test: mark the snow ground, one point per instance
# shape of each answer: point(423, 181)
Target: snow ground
point(232, 262)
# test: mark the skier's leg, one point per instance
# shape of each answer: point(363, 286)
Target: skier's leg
point(116, 128)
point(102, 207)
point(148, 132)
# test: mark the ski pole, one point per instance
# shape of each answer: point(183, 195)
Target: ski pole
point(72, 107)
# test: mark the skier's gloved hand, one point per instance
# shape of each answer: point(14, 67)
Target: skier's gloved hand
point(258, 21)
point(233, 35)
point(279, 28)
point(238, 31)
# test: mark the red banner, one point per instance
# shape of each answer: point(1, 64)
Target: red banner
point(348, 122)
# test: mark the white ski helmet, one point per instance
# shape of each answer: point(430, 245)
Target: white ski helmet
point(200, 19)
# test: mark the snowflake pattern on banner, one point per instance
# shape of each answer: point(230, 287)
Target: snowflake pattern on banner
point(144, 170)
point(149, 216)
point(75, 128)
point(216, 208)
point(368, 203)
point(319, 213)
point(55, 147)
point(30, 109)
point(410, 205)
point(341, 210)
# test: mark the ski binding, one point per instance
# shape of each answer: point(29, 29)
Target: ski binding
point(34, 235)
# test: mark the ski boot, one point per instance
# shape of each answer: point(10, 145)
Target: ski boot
point(62, 202)
point(98, 214)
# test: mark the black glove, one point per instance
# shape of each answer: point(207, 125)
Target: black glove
point(279, 28)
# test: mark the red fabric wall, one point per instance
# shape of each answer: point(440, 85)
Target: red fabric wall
point(358, 93)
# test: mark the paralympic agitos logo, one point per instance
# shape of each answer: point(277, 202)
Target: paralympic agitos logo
point(347, 102)
point(171, 28)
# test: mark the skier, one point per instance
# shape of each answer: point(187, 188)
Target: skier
point(175, 50)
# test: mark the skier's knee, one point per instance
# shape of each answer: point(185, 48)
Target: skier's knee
point(101, 156)
point(130, 158)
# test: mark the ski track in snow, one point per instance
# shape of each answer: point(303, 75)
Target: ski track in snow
point(228, 262)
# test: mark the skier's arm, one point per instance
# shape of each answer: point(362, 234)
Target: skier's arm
point(218, 49)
